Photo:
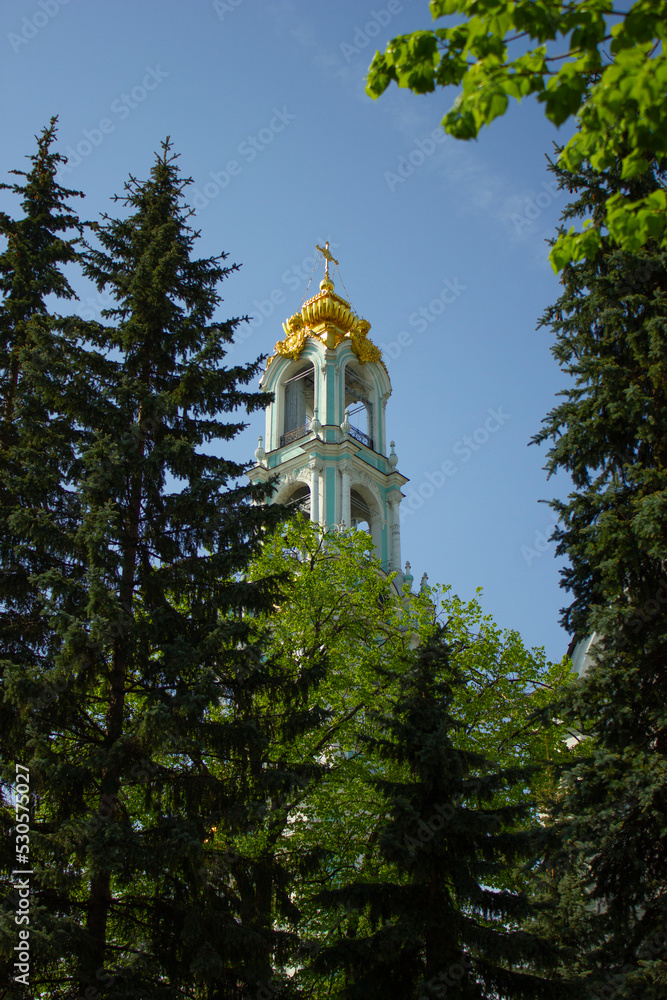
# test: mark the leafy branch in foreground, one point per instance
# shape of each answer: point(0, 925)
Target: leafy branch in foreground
point(584, 59)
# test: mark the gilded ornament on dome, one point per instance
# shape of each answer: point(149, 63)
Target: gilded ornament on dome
point(329, 318)
point(293, 325)
point(293, 343)
point(365, 349)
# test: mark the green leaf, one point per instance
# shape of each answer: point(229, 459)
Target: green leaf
point(634, 165)
point(443, 8)
point(461, 122)
point(380, 75)
point(574, 246)
point(493, 104)
point(414, 59)
point(564, 93)
point(633, 223)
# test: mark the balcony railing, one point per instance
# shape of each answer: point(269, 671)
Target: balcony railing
point(360, 436)
point(294, 435)
point(290, 436)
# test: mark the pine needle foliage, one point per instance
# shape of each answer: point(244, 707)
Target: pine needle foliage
point(610, 434)
point(433, 926)
point(39, 512)
point(134, 707)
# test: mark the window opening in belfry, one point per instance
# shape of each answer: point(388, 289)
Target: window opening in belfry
point(299, 401)
point(360, 512)
point(358, 404)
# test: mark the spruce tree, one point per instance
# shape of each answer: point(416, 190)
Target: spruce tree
point(444, 919)
point(37, 358)
point(151, 684)
point(610, 434)
point(38, 511)
point(31, 265)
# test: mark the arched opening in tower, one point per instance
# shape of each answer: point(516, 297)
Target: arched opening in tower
point(299, 498)
point(358, 403)
point(299, 390)
point(360, 512)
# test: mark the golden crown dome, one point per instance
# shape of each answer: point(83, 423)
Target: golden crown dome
point(328, 318)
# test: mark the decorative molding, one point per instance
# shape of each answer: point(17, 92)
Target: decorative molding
point(293, 476)
point(363, 479)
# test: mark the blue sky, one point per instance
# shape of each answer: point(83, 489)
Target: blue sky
point(441, 243)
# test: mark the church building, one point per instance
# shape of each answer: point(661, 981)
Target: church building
point(326, 436)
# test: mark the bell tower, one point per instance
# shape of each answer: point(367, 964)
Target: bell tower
point(326, 435)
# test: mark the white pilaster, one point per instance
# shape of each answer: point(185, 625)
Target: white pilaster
point(395, 530)
point(382, 440)
point(315, 465)
point(346, 505)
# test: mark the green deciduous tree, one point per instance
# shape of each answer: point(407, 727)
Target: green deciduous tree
point(609, 434)
point(590, 60)
point(337, 610)
point(338, 603)
point(505, 684)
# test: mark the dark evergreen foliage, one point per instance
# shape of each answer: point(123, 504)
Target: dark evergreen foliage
point(31, 266)
point(610, 434)
point(36, 362)
point(39, 513)
point(138, 703)
point(445, 920)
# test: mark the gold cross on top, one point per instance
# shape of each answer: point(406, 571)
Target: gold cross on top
point(328, 257)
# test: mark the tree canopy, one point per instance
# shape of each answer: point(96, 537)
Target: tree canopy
point(441, 913)
point(201, 701)
point(338, 607)
point(588, 60)
point(124, 618)
point(609, 432)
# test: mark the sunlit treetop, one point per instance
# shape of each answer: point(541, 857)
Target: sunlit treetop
point(599, 62)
